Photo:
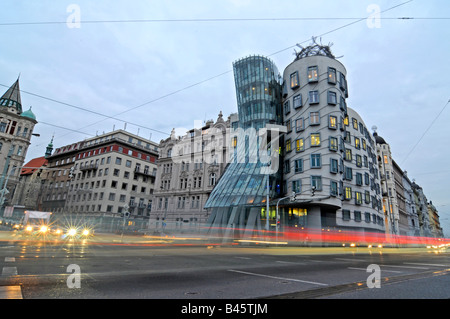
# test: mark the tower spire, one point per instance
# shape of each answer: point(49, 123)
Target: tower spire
point(12, 98)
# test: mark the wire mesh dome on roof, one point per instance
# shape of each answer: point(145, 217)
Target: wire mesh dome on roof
point(314, 49)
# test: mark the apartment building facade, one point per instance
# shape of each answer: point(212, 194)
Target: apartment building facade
point(189, 167)
point(109, 174)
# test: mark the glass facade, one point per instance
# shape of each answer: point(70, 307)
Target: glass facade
point(258, 93)
point(238, 203)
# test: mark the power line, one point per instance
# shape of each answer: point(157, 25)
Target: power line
point(418, 141)
point(184, 88)
point(218, 20)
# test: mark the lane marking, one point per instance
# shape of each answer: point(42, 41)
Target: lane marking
point(397, 266)
point(420, 264)
point(289, 262)
point(280, 278)
point(11, 292)
point(383, 270)
point(9, 271)
point(348, 259)
point(242, 257)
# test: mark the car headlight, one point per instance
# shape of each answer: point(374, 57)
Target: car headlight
point(43, 229)
point(72, 232)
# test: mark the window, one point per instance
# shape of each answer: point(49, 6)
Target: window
point(287, 166)
point(128, 163)
point(345, 214)
point(333, 188)
point(348, 193)
point(316, 181)
point(314, 118)
point(212, 179)
point(313, 74)
point(299, 124)
point(313, 97)
point(288, 126)
point(287, 107)
point(332, 98)
point(332, 75)
point(348, 173)
point(315, 139)
point(298, 165)
point(288, 145)
point(299, 145)
point(118, 161)
point(295, 83)
point(297, 101)
point(358, 160)
point(334, 165)
point(332, 122)
point(355, 123)
point(357, 216)
point(297, 186)
point(315, 161)
point(333, 143)
point(348, 155)
point(359, 180)
point(358, 198)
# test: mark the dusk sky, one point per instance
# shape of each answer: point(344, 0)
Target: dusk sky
point(159, 65)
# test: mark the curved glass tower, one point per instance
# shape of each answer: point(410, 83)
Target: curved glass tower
point(239, 200)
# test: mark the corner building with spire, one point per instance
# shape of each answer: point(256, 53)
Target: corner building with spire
point(16, 129)
point(327, 155)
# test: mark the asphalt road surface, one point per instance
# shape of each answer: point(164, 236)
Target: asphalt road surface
point(113, 267)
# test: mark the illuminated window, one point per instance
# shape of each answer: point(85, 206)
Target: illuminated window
point(348, 155)
point(288, 145)
point(348, 193)
point(297, 101)
point(332, 123)
point(312, 74)
point(346, 121)
point(358, 198)
point(355, 123)
point(332, 75)
point(315, 139)
point(313, 97)
point(385, 159)
point(294, 80)
point(234, 142)
point(299, 145)
point(358, 160)
point(357, 143)
point(333, 143)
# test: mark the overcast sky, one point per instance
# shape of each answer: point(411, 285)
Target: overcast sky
point(174, 67)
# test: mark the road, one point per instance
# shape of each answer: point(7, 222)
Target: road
point(141, 268)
